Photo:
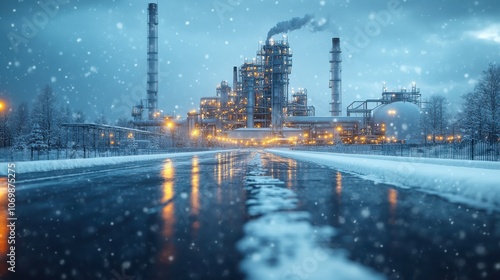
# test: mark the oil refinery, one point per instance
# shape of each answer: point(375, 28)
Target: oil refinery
point(258, 107)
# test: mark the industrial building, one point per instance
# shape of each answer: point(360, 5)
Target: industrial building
point(258, 106)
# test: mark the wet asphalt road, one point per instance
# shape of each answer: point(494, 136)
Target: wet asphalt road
point(181, 218)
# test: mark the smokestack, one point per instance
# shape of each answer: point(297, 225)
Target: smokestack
point(235, 79)
point(336, 78)
point(152, 88)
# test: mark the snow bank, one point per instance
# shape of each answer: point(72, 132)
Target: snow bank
point(50, 165)
point(476, 183)
point(281, 243)
point(450, 162)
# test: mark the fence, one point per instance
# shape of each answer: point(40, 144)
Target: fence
point(70, 153)
point(466, 150)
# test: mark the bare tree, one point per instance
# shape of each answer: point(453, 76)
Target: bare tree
point(481, 108)
point(488, 88)
point(435, 119)
point(472, 116)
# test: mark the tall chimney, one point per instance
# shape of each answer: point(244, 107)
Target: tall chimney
point(152, 88)
point(250, 101)
point(235, 79)
point(336, 78)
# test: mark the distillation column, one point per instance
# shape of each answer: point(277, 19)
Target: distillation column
point(250, 102)
point(277, 63)
point(248, 83)
point(152, 88)
point(336, 78)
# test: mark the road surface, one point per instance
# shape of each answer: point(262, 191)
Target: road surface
point(184, 218)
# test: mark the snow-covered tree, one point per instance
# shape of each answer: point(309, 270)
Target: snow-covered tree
point(35, 139)
point(45, 113)
point(20, 121)
point(154, 143)
point(481, 107)
point(64, 115)
point(102, 119)
point(79, 117)
point(5, 131)
point(131, 144)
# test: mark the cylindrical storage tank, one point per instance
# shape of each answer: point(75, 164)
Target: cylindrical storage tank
point(399, 121)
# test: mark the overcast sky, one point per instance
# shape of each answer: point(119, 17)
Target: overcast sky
point(93, 53)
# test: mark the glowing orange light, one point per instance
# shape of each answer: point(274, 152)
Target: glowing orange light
point(195, 185)
point(168, 212)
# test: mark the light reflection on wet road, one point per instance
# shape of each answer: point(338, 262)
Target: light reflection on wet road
point(172, 219)
point(180, 219)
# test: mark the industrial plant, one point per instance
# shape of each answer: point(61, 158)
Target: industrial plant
point(259, 109)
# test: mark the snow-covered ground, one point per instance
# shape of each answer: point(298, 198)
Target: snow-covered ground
point(473, 182)
point(51, 165)
point(281, 243)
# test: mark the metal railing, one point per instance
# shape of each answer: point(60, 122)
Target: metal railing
point(465, 150)
point(81, 152)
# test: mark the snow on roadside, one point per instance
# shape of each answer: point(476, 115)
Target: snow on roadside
point(439, 161)
point(281, 243)
point(64, 164)
point(457, 181)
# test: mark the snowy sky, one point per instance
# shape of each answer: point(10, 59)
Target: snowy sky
point(93, 53)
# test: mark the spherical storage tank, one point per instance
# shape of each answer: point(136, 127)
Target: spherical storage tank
point(400, 120)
